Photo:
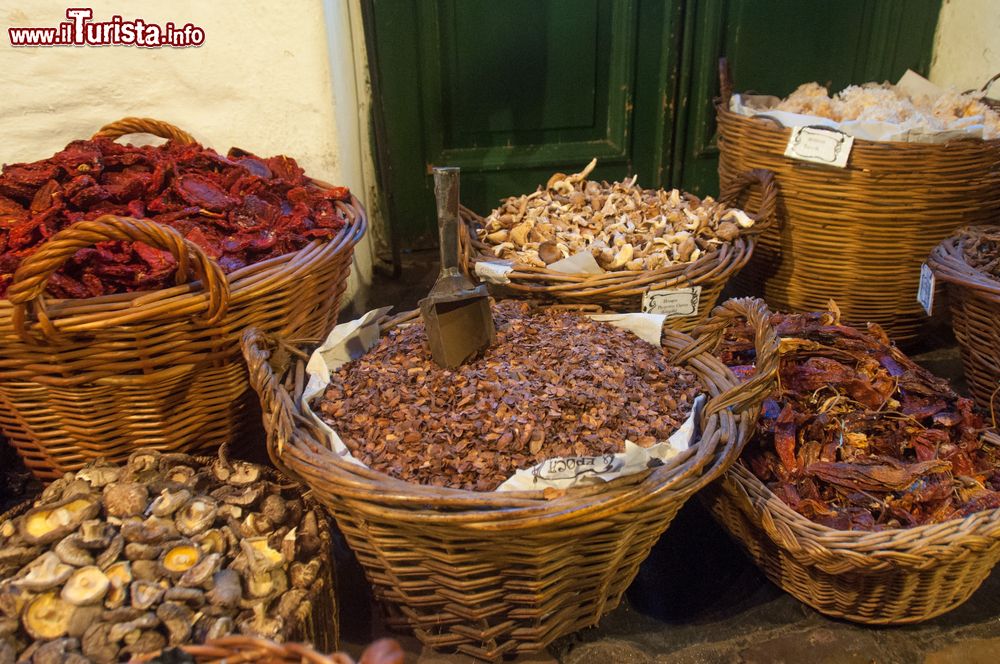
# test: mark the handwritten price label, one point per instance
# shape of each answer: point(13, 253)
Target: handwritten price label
point(672, 302)
point(569, 467)
point(925, 293)
point(820, 146)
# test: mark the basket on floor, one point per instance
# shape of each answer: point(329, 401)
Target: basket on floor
point(503, 573)
point(856, 234)
point(894, 576)
point(623, 290)
point(974, 299)
point(320, 625)
point(102, 376)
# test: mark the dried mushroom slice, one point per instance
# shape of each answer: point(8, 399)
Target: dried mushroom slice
point(243, 496)
point(237, 473)
point(97, 644)
point(87, 585)
point(227, 590)
point(197, 516)
point(48, 523)
point(55, 652)
point(119, 577)
point(99, 474)
point(191, 597)
point(111, 553)
point(96, 534)
point(169, 501)
point(179, 557)
point(47, 617)
point(153, 530)
point(256, 622)
point(274, 509)
point(303, 575)
point(47, 571)
point(145, 594)
point(178, 619)
point(212, 541)
point(260, 556)
point(201, 574)
point(125, 499)
point(70, 550)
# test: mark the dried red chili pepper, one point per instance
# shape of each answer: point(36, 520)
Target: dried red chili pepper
point(858, 437)
point(240, 209)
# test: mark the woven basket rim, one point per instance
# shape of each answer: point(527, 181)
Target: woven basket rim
point(766, 125)
point(893, 544)
point(948, 262)
point(300, 452)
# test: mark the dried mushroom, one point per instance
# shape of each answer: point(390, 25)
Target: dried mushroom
point(623, 226)
point(119, 561)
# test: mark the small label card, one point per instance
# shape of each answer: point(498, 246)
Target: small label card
point(571, 467)
point(494, 273)
point(820, 145)
point(925, 293)
point(672, 302)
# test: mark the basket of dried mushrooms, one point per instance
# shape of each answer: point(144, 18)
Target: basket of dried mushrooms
point(617, 245)
point(870, 490)
point(417, 472)
point(167, 550)
point(969, 263)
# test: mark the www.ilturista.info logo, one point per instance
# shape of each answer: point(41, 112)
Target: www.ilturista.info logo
point(80, 30)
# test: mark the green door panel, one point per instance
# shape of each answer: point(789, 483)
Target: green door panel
point(775, 45)
point(512, 91)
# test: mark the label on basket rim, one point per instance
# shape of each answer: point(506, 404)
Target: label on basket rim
point(925, 292)
point(820, 145)
point(672, 302)
point(494, 273)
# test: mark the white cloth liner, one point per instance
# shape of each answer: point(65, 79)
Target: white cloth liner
point(349, 341)
point(912, 84)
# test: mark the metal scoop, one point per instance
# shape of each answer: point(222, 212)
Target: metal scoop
point(456, 312)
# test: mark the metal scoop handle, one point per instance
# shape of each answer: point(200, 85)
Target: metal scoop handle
point(446, 191)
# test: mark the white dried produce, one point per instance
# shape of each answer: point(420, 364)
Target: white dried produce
point(624, 226)
point(884, 102)
point(116, 561)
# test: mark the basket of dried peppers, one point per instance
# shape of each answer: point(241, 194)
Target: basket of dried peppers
point(479, 569)
point(969, 263)
point(127, 275)
point(870, 491)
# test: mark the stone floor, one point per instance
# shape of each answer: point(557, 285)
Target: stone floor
point(699, 600)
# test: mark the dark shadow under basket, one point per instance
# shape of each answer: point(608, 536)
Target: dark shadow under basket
point(501, 573)
point(101, 377)
point(623, 290)
point(974, 299)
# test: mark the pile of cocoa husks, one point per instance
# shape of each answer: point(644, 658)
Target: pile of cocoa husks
point(116, 561)
point(858, 436)
point(555, 384)
point(240, 209)
point(982, 249)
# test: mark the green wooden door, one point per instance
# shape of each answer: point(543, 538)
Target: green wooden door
point(513, 91)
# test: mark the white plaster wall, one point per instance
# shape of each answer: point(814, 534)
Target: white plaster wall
point(271, 77)
point(966, 46)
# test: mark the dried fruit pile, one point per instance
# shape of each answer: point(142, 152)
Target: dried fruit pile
point(859, 437)
point(982, 249)
point(114, 560)
point(241, 209)
point(556, 384)
point(624, 226)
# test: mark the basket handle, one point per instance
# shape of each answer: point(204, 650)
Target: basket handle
point(767, 213)
point(132, 125)
point(32, 276)
point(725, 81)
point(276, 403)
point(709, 335)
point(986, 85)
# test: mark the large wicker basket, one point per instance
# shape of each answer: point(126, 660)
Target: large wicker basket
point(857, 234)
point(98, 377)
point(974, 299)
point(623, 290)
point(890, 577)
point(499, 573)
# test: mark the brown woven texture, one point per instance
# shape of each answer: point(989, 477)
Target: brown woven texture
point(857, 234)
point(890, 577)
point(322, 628)
point(622, 290)
point(234, 649)
point(100, 377)
point(499, 573)
point(974, 299)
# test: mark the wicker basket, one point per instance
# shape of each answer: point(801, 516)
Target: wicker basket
point(890, 577)
point(622, 290)
point(856, 234)
point(249, 649)
point(502, 573)
point(974, 299)
point(322, 626)
point(98, 377)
